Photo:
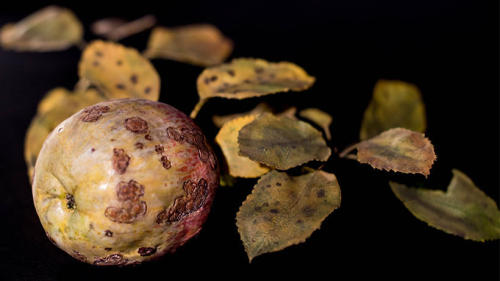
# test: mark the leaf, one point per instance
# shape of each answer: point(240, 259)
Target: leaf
point(399, 150)
point(227, 138)
point(199, 44)
point(118, 71)
point(55, 107)
point(246, 78)
point(220, 120)
point(464, 210)
point(285, 210)
point(49, 29)
point(395, 104)
point(321, 118)
point(116, 29)
point(282, 142)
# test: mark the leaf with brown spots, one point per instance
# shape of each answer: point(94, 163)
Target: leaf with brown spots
point(49, 29)
point(55, 107)
point(227, 138)
point(246, 78)
point(395, 104)
point(464, 210)
point(116, 29)
point(284, 210)
point(199, 44)
point(281, 142)
point(399, 150)
point(320, 118)
point(118, 71)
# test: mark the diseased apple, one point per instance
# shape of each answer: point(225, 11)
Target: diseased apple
point(124, 181)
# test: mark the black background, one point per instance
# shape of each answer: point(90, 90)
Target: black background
point(448, 48)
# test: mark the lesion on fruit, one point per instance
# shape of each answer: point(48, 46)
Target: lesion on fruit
point(131, 208)
point(114, 259)
point(121, 160)
point(195, 195)
point(196, 138)
point(93, 113)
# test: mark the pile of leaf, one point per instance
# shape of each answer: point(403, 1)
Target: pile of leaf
point(284, 150)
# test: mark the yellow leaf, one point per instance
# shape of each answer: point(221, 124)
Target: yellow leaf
point(246, 78)
point(321, 118)
point(464, 210)
point(49, 29)
point(200, 44)
point(285, 210)
point(220, 120)
point(399, 150)
point(118, 71)
point(282, 142)
point(395, 104)
point(227, 138)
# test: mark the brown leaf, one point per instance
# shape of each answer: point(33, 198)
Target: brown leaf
point(285, 210)
point(399, 150)
point(200, 44)
point(118, 71)
point(395, 104)
point(49, 29)
point(282, 142)
point(464, 210)
point(227, 138)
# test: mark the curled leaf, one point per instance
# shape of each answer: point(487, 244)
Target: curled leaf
point(116, 29)
point(319, 117)
point(245, 78)
point(399, 150)
point(200, 44)
point(464, 210)
point(49, 29)
point(282, 142)
point(285, 210)
point(227, 138)
point(118, 71)
point(55, 107)
point(395, 104)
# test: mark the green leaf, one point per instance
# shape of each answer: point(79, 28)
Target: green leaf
point(464, 210)
point(285, 210)
point(395, 104)
point(281, 142)
point(399, 150)
point(49, 29)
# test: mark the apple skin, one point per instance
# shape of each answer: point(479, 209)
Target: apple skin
point(124, 181)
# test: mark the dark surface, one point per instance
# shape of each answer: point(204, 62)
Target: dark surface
point(448, 48)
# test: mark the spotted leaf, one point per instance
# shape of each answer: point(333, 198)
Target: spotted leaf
point(246, 78)
point(284, 210)
point(118, 71)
